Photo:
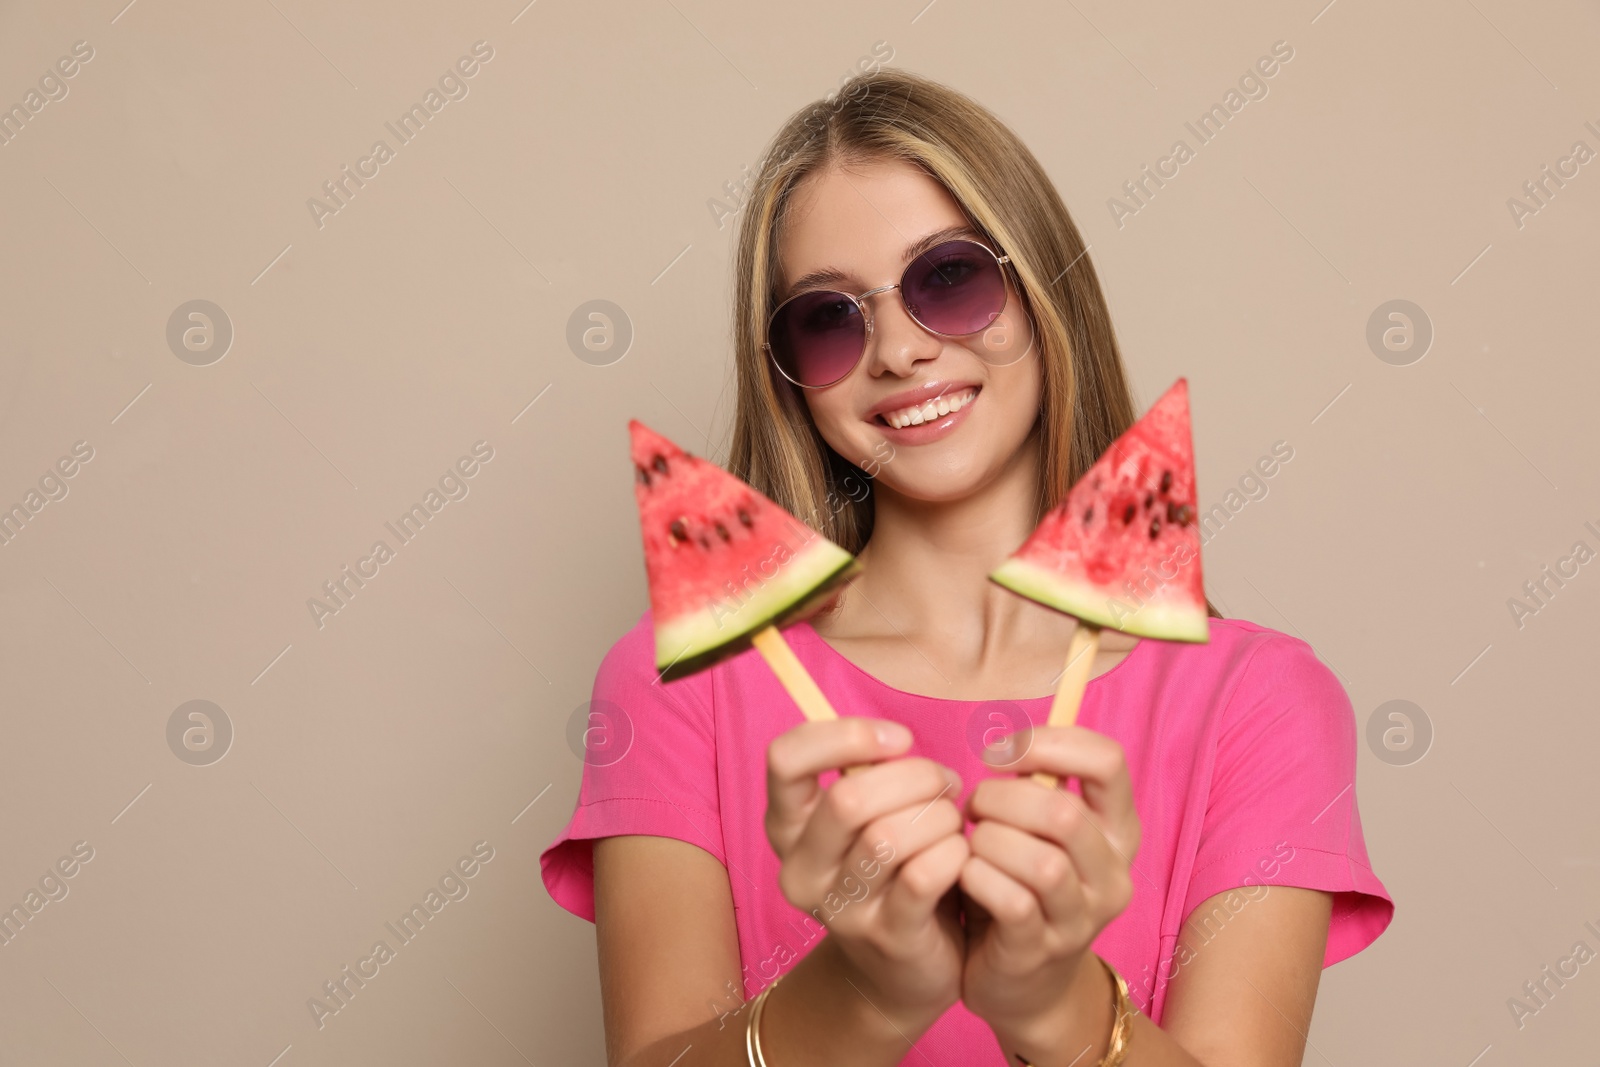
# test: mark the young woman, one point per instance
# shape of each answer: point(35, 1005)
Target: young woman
point(925, 364)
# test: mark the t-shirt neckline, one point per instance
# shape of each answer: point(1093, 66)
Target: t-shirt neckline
point(817, 639)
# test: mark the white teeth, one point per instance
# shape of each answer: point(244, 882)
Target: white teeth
point(936, 408)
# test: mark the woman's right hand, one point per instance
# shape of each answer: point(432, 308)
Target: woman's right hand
point(875, 857)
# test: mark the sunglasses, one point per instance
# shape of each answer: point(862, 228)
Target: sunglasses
point(816, 338)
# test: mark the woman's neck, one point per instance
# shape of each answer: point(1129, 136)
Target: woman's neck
point(927, 564)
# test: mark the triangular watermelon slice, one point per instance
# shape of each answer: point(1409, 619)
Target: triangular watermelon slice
point(1123, 550)
point(723, 561)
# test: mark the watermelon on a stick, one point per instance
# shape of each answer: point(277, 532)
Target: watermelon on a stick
point(727, 567)
point(1122, 550)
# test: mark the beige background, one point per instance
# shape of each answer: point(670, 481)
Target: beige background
point(373, 351)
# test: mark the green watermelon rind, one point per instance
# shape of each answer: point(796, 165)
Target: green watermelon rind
point(694, 640)
point(1163, 620)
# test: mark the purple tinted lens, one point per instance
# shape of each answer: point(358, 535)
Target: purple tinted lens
point(817, 338)
point(955, 289)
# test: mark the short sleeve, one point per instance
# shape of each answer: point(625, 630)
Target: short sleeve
point(649, 767)
point(1282, 806)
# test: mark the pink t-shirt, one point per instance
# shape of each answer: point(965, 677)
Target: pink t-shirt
point(1242, 754)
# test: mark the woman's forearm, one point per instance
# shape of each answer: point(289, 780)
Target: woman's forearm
point(828, 1018)
point(1078, 1033)
point(818, 1015)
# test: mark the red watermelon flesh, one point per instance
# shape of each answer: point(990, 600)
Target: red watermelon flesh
point(1123, 549)
point(723, 561)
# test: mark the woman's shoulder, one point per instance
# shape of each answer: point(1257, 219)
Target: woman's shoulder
point(1235, 642)
point(634, 646)
point(628, 669)
point(1243, 661)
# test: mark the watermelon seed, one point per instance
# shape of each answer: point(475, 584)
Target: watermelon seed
point(704, 543)
point(1127, 516)
point(1184, 514)
point(1149, 498)
point(660, 464)
point(744, 517)
point(1166, 481)
point(644, 475)
point(722, 532)
point(1088, 515)
point(678, 530)
point(1155, 527)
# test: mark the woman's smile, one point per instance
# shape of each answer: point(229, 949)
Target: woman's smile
point(926, 414)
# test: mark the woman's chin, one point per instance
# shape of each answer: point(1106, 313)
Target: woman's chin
point(942, 485)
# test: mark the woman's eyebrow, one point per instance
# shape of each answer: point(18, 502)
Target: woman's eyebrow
point(831, 275)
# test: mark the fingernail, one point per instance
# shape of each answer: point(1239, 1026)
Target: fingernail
point(1001, 751)
point(893, 735)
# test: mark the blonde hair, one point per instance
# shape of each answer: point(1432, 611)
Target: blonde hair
point(889, 114)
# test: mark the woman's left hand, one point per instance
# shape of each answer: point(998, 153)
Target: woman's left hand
point(1047, 872)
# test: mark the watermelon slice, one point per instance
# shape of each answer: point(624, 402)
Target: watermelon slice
point(1123, 550)
point(723, 561)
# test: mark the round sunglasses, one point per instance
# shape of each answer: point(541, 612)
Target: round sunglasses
point(816, 338)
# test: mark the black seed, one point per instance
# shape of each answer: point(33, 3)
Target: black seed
point(644, 475)
point(1127, 515)
point(1185, 513)
point(704, 543)
point(678, 530)
point(722, 532)
point(744, 517)
point(660, 464)
point(1155, 527)
point(1088, 515)
point(1172, 512)
point(1149, 498)
point(1166, 480)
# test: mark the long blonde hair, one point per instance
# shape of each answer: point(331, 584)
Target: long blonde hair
point(897, 115)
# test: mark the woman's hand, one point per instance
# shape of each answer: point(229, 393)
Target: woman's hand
point(1048, 871)
point(875, 858)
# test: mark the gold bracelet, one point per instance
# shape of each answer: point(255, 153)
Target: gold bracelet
point(1122, 1013)
point(1122, 1027)
point(752, 1029)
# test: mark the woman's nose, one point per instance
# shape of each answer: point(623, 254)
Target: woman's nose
point(897, 341)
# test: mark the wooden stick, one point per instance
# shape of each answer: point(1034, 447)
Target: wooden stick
point(795, 678)
point(787, 666)
point(1069, 694)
